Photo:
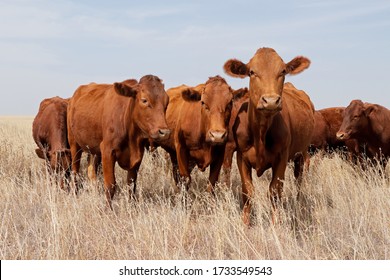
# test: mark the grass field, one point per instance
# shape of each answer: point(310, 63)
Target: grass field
point(344, 213)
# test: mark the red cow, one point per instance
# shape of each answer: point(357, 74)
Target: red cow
point(369, 124)
point(50, 134)
point(115, 122)
point(198, 117)
point(277, 125)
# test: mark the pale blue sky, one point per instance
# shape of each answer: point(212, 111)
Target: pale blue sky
point(49, 48)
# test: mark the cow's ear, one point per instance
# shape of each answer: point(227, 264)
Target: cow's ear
point(368, 108)
point(40, 153)
point(297, 65)
point(239, 93)
point(126, 89)
point(191, 95)
point(236, 68)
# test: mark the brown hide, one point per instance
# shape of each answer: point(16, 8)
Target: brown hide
point(369, 124)
point(327, 123)
point(277, 125)
point(114, 122)
point(231, 146)
point(50, 133)
point(198, 117)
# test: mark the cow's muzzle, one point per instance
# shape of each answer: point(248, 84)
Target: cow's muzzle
point(218, 136)
point(270, 102)
point(341, 135)
point(163, 134)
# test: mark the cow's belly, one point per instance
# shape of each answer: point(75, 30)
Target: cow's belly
point(88, 140)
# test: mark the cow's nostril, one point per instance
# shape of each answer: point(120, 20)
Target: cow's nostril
point(164, 132)
point(340, 135)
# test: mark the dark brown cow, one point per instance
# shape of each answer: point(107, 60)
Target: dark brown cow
point(277, 125)
point(116, 121)
point(327, 123)
point(369, 124)
point(198, 117)
point(50, 134)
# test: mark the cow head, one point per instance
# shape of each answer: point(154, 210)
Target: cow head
point(215, 98)
point(57, 160)
point(355, 120)
point(266, 71)
point(150, 104)
point(60, 159)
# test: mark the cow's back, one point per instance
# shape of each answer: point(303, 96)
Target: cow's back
point(298, 114)
point(85, 113)
point(49, 125)
point(333, 117)
point(318, 140)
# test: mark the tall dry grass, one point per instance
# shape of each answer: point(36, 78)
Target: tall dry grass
point(343, 213)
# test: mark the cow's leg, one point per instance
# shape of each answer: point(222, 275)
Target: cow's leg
point(247, 187)
point(182, 159)
point(132, 180)
point(301, 162)
point(276, 185)
point(175, 170)
point(137, 148)
point(227, 163)
point(93, 166)
point(76, 153)
point(108, 164)
point(215, 168)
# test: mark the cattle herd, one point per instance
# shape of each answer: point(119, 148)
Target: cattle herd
point(267, 125)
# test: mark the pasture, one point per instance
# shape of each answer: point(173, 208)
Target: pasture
point(343, 213)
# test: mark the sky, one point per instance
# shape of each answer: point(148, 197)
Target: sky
point(48, 48)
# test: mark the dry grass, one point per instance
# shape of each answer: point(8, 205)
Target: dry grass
point(344, 213)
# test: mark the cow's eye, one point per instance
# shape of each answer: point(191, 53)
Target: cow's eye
point(283, 72)
point(251, 73)
point(204, 105)
point(144, 101)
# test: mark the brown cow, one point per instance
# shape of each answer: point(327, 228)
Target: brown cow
point(115, 121)
point(327, 122)
point(50, 134)
point(369, 124)
point(198, 117)
point(269, 134)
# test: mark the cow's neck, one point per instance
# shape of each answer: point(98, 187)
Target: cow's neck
point(136, 138)
point(259, 123)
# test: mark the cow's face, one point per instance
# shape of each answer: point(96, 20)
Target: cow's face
point(150, 104)
point(355, 120)
point(215, 98)
point(266, 71)
point(60, 160)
